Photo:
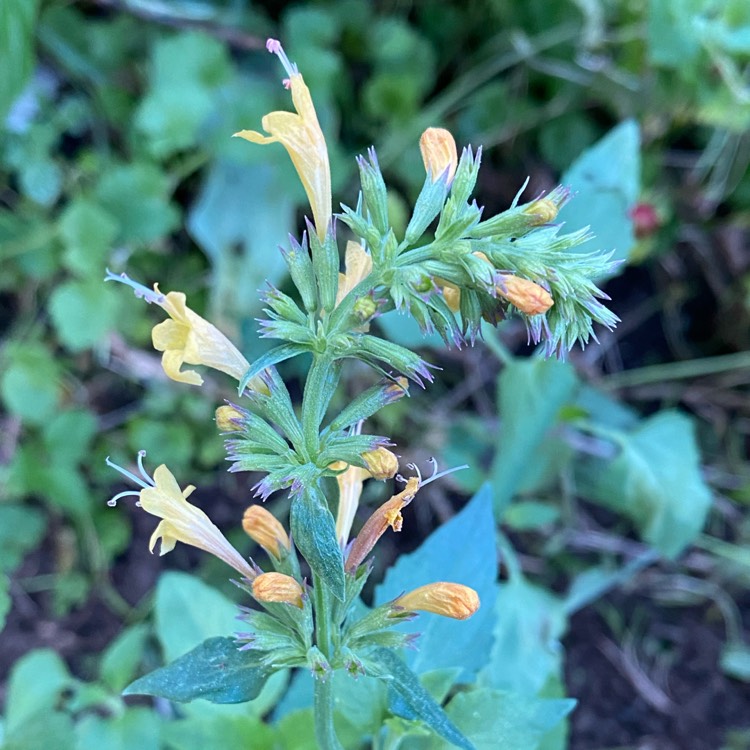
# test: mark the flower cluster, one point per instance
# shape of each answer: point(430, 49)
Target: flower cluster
point(451, 270)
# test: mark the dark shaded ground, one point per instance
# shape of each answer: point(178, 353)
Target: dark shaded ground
point(703, 704)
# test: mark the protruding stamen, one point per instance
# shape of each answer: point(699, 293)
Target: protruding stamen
point(444, 473)
point(141, 291)
point(112, 502)
point(434, 463)
point(414, 467)
point(144, 473)
point(275, 48)
point(130, 474)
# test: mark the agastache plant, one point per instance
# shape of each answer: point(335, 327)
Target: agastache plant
point(451, 270)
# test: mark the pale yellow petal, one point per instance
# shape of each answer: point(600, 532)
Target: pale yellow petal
point(171, 362)
point(358, 267)
point(169, 335)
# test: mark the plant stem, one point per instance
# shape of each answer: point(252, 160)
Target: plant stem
point(691, 368)
point(325, 733)
point(323, 695)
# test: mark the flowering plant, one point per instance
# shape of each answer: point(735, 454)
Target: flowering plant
point(469, 269)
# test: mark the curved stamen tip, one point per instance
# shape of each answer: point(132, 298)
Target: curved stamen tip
point(275, 48)
point(141, 291)
point(149, 482)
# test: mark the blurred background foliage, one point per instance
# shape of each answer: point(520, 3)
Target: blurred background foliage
point(625, 467)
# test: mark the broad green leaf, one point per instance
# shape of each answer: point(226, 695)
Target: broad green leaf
point(68, 435)
point(83, 312)
point(671, 32)
point(216, 671)
point(137, 197)
point(606, 182)
point(224, 732)
point(45, 729)
point(36, 682)
point(461, 551)
point(655, 480)
point(170, 440)
point(188, 611)
point(17, 42)
point(314, 532)
point(122, 657)
point(186, 72)
point(530, 514)
point(242, 216)
point(21, 529)
point(297, 730)
point(407, 686)
point(359, 703)
point(531, 393)
point(29, 384)
point(403, 329)
point(87, 232)
point(135, 728)
point(497, 720)
point(526, 651)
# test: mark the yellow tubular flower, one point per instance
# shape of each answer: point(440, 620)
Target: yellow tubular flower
point(183, 522)
point(300, 134)
point(350, 483)
point(439, 154)
point(264, 528)
point(527, 296)
point(279, 588)
point(447, 599)
point(188, 338)
point(388, 514)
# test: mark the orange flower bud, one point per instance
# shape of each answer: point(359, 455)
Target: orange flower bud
point(228, 418)
point(263, 527)
point(397, 389)
point(381, 463)
point(527, 296)
point(277, 587)
point(439, 153)
point(447, 599)
point(388, 514)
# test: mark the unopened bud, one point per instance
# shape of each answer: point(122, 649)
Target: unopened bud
point(229, 418)
point(279, 588)
point(447, 599)
point(543, 210)
point(452, 297)
point(397, 389)
point(365, 308)
point(439, 154)
point(381, 463)
point(528, 296)
point(264, 528)
point(388, 514)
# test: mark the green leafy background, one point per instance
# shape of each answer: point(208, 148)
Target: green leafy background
point(610, 492)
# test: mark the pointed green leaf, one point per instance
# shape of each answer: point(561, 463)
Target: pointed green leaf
point(270, 358)
point(314, 532)
point(407, 686)
point(216, 671)
point(495, 720)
